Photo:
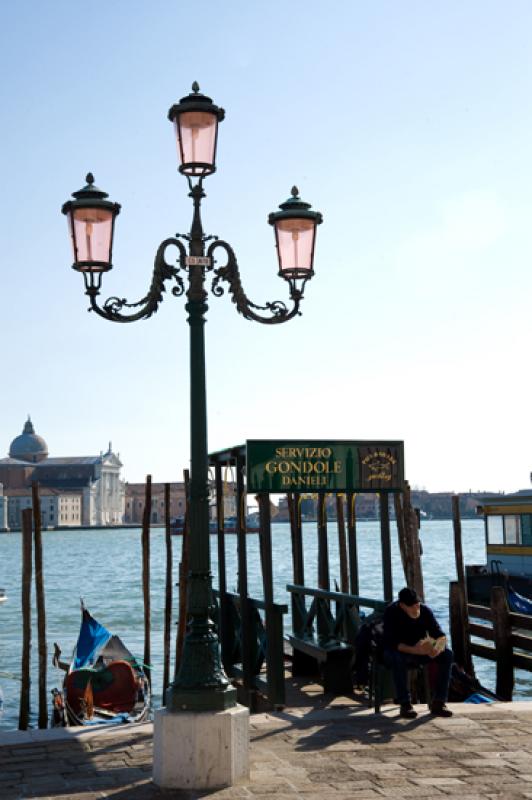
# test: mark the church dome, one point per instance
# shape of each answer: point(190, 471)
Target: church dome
point(28, 446)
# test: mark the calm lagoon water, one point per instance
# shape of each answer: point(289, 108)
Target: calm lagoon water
point(104, 568)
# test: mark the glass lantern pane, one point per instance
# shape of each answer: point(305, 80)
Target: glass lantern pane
point(295, 238)
point(196, 139)
point(92, 231)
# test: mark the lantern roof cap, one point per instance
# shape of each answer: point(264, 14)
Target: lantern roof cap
point(195, 101)
point(294, 208)
point(90, 196)
point(90, 190)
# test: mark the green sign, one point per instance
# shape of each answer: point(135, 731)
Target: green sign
point(324, 466)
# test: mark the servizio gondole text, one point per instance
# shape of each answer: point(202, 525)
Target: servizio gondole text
point(296, 468)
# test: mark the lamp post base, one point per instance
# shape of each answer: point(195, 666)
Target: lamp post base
point(204, 750)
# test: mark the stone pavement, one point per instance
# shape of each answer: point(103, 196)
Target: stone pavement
point(338, 751)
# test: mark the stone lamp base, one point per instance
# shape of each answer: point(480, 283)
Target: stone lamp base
point(201, 750)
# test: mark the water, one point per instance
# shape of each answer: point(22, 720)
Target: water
point(104, 568)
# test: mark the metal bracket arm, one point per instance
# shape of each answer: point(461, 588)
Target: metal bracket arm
point(162, 271)
point(230, 273)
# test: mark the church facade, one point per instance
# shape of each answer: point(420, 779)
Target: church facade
point(75, 491)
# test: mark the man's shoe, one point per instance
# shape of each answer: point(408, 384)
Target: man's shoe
point(408, 711)
point(439, 709)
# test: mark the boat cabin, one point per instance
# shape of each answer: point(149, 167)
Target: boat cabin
point(508, 530)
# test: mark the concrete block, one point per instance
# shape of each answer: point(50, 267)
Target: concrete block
point(202, 750)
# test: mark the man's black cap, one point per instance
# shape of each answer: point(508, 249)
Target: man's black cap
point(409, 596)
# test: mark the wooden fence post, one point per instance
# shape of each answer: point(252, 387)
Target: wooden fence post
point(41, 611)
point(502, 629)
point(24, 709)
point(146, 577)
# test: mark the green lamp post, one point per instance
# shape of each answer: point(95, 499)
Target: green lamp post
point(200, 683)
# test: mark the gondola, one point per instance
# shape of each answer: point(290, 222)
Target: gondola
point(104, 682)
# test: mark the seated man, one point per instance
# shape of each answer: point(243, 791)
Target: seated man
point(412, 637)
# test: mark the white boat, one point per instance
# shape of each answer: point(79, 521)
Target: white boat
point(3, 595)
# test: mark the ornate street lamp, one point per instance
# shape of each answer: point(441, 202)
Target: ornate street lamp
point(200, 684)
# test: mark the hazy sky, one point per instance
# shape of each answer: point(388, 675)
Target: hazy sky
point(407, 124)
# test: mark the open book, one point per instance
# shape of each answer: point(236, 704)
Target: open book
point(438, 644)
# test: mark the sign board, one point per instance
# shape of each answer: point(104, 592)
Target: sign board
point(313, 466)
point(197, 261)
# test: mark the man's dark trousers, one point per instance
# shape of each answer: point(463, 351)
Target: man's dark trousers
point(400, 663)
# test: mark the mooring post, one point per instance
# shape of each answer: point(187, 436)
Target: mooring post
point(342, 547)
point(41, 610)
point(248, 688)
point(146, 576)
point(168, 590)
point(265, 534)
point(298, 562)
point(222, 579)
point(323, 550)
point(352, 542)
point(502, 630)
point(467, 662)
point(24, 709)
point(183, 576)
point(386, 547)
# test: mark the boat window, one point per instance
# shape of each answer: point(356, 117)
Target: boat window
point(512, 529)
point(526, 528)
point(495, 530)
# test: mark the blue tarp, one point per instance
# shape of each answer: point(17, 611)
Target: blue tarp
point(519, 603)
point(477, 697)
point(92, 637)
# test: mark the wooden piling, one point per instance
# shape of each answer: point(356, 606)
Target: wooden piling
point(342, 547)
point(502, 631)
point(352, 543)
point(146, 577)
point(323, 550)
point(401, 536)
point(415, 576)
point(168, 592)
point(222, 570)
point(298, 562)
point(466, 660)
point(265, 534)
point(183, 577)
point(386, 547)
point(24, 708)
point(41, 611)
point(460, 639)
point(249, 692)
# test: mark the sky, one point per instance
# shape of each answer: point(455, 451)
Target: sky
point(407, 124)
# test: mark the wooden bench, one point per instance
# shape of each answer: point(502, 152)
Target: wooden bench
point(330, 660)
point(323, 642)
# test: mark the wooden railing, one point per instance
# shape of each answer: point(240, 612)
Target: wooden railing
point(505, 630)
point(261, 668)
point(331, 616)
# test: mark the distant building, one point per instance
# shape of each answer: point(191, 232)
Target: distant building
point(135, 499)
point(58, 508)
point(3, 509)
point(83, 488)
